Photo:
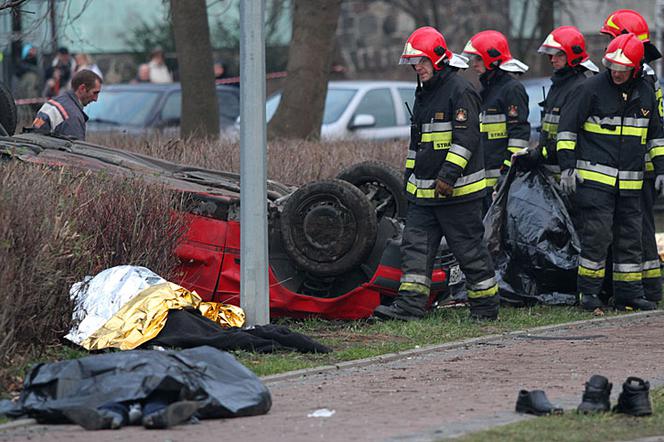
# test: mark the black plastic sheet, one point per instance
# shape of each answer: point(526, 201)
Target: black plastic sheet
point(531, 237)
point(224, 387)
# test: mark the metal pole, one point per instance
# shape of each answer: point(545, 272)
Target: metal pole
point(254, 290)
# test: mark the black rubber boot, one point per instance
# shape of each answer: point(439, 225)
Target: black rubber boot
point(640, 303)
point(634, 399)
point(597, 395)
point(406, 307)
point(590, 302)
point(94, 419)
point(174, 414)
point(535, 402)
point(484, 309)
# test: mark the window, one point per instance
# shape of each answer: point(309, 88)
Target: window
point(378, 102)
point(407, 95)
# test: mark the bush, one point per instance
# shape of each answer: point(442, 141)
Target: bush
point(56, 226)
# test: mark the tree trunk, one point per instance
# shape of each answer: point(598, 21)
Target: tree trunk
point(200, 114)
point(300, 112)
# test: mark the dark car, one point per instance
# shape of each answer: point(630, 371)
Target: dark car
point(145, 107)
point(536, 88)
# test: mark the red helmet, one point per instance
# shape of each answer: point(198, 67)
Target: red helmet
point(492, 48)
point(625, 52)
point(426, 42)
point(623, 21)
point(569, 40)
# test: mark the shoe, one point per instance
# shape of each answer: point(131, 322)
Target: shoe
point(590, 302)
point(535, 402)
point(596, 397)
point(174, 414)
point(93, 419)
point(640, 303)
point(634, 399)
point(484, 309)
point(403, 308)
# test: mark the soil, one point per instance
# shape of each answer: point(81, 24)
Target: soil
point(426, 396)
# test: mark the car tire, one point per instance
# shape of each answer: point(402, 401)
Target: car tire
point(7, 111)
point(328, 227)
point(382, 184)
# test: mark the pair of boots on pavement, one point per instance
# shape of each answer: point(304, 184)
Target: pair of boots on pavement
point(634, 400)
point(592, 302)
point(110, 419)
point(410, 307)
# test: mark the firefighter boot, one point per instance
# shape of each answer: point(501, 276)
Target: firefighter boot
point(535, 402)
point(484, 309)
point(640, 303)
point(170, 416)
point(406, 307)
point(596, 397)
point(590, 302)
point(634, 398)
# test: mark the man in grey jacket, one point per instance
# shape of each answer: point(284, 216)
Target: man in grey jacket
point(64, 114)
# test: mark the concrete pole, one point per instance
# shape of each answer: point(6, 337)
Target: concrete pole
point(254, 290)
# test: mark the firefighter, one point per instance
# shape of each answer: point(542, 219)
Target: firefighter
point(566, 49)
point(445, 183)
point(504, 123)
point(604, 132)
point(618, 23)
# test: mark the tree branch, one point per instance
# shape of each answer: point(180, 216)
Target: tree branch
point(11, 4)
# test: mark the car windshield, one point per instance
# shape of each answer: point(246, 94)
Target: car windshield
point(335, 103)
point(130, 108)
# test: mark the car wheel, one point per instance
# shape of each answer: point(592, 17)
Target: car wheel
point(7, 110)
point(382, 184)
point(328, 227)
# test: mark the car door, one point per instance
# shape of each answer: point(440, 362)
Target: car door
point(380, 104)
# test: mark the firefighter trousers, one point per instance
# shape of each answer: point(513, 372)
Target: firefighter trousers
point(652, 275)
point(607, 219)
point(461, 224)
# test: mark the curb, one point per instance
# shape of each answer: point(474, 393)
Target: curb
point(19, 423)
point(389, 357)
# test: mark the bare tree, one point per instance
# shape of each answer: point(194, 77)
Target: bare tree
point(200, 114)
point(300, 112)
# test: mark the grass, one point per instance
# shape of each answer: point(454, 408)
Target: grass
point(572, 427)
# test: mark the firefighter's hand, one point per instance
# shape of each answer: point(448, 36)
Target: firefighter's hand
point(442, 188)
point(524, 159)
point(568, 179)
point(659, 185)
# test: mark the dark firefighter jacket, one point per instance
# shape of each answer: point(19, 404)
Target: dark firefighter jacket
point(651, 77)
point(564, 81)
point(605, 131)
point(444, 141)
point(504, 123)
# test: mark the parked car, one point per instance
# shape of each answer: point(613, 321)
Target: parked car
point(145, 107)
point(536, 88)
point(362, 109)
point(333, 244)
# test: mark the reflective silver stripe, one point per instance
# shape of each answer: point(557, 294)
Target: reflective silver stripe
point(566, 136)
point(552, 168)
point(611, 121)
point(636, 122)
point(461, 151)
point(492, 173)
point(500, 118)
point(421, 184)
point(647, 70)
point(647, 157)
point(592, 265)
point(411, 154)
point(630, 175)
point(437, 127)
point(627, 268)
point(483, 285)
point(417, 279)
point(606, 170)
point(467, 179)
point(516, 142)
point(54, 116)
point(657, 142)
point(551, 118)
point(649, 265)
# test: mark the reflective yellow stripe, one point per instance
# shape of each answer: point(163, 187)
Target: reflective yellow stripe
point(649, 166)
point(545, 153)
point(508, 163)
point(652, 273)
point(456, 159)
point(565, 144)
point(627, 277)
point(410, 164)
point(458, 191)
point(656, 151)
point(597, 177)
point(630, 185)
point(619, 130)
point(658, 94)
point(494, 130)
point(414, 287)
point(550, 128)
point(441, 140)
point(491, 182)
point(514, 149)
point(483, 293)
point(590, 273)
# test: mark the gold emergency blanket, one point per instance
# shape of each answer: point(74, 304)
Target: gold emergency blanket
point(142, 318)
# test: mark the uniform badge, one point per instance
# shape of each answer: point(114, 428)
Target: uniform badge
point(512, 111)
point(461, 115)
point(439, 116)
point(645, 112)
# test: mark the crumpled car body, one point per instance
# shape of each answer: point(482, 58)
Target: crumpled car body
point(209, 252)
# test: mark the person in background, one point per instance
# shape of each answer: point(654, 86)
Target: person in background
point(67, 65)
point(83, 61)
point(53, 84)
point(28, 74)
point(159, 72)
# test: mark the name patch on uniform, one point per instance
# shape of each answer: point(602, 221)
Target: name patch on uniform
point(461, 115)
point(512, 111)
point(645, 112)
point(439, 116)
